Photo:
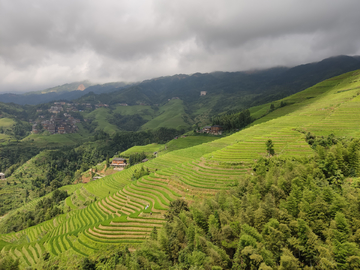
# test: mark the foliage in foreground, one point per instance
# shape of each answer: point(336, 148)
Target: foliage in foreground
point(47, 208)
point(290, 214)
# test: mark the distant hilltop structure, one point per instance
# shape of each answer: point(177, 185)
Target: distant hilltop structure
point(203, 93)
point(81, 87)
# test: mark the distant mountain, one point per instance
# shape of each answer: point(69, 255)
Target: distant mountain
point(228, 90)
point(301, 77)
point(224, 90)
point(69, 87)
point(63, 92)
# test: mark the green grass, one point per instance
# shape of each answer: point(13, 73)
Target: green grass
point(5, 138)
point(146, 112)
point(182, 143)
point(171, 115)
point(7, 122)
point(147, 149)
point(53, 140)
point(101, 117)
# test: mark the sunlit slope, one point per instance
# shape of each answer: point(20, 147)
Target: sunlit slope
point(333, 108)
point(126, 211)
point(171, 115)
point(173, 145)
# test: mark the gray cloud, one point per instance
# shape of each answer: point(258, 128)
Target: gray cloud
point(46, 42)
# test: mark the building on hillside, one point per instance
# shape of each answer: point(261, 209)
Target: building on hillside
point(206, 129)
point(51, 128)
point(56, 109)
point(203, 93)
point(101, 105)
point(2, 176)
point(34, 129)
point(61, 130)
point(216, 130)
point(145, 159)
point(118, 163)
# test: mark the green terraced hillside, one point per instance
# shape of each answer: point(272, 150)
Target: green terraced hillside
point(124, 211)
point(171, 115)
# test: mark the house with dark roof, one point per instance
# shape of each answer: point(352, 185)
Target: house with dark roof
point(118, 163)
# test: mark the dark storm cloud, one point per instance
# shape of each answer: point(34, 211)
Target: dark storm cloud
point(45, 43)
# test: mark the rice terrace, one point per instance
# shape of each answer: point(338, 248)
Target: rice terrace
point(125, 212)
point(171, 135)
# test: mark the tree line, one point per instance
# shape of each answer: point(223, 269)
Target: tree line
point(233, 121)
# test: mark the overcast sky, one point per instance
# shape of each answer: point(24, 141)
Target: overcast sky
point(50, 42)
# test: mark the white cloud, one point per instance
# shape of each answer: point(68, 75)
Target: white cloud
point(46, 43)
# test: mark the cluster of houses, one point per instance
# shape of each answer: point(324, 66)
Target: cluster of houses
point(57, 125)
point(214, 130)
point(56, 109)
point(101, 105)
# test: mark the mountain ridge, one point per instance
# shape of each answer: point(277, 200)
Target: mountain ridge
point(266, 83)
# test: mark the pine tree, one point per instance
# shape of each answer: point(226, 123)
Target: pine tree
point(270, 147)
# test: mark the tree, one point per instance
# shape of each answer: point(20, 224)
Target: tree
point(175, 208)
point(270, 147)
point(154, 234)
point(272, 107)
point(88, 264)
point(107, 161)
point(8, 263)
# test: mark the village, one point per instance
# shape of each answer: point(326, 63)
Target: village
point(60, 121)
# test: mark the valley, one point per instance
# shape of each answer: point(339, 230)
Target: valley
point(314, 136)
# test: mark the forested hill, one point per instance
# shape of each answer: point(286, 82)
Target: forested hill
point(282, 193)
point(227, 90)
point(237, 89)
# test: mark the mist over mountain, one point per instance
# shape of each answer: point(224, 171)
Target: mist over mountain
point(270, 84)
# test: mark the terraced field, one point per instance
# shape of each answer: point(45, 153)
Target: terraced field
point(122, 211)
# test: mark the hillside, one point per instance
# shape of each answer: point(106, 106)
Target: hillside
point(125, 211)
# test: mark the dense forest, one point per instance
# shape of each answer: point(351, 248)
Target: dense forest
point(287, 214)
point(233, 121)
point(45, 209)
